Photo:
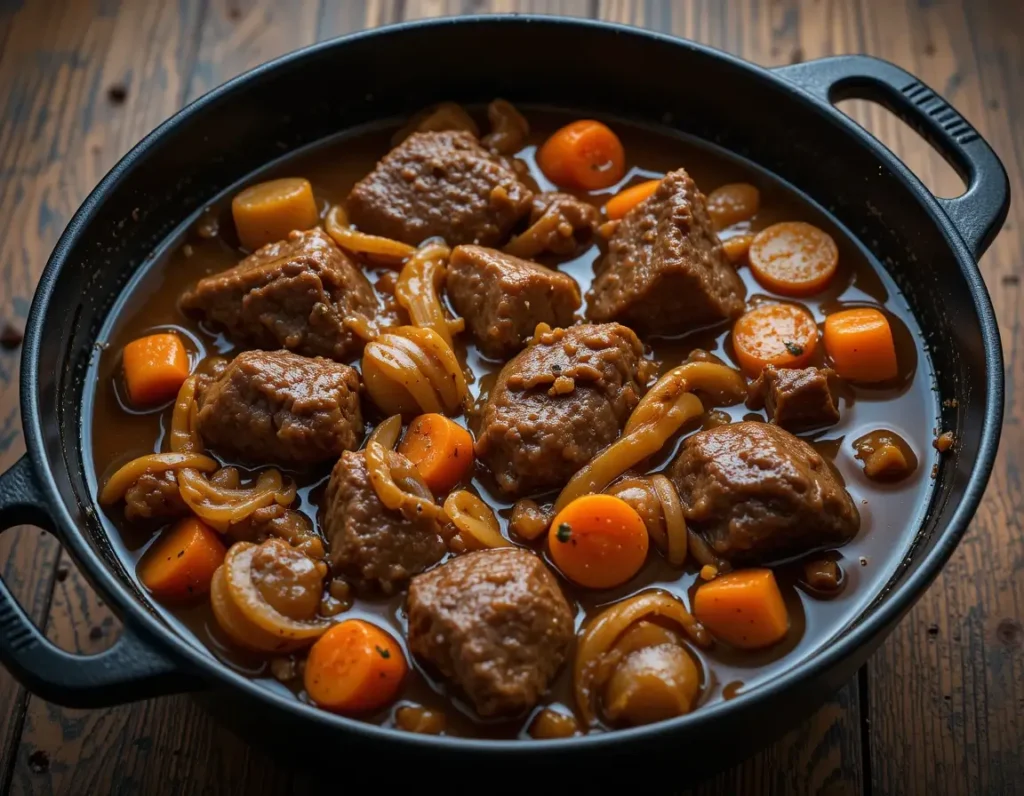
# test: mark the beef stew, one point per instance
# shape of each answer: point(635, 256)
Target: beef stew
point(351, 526)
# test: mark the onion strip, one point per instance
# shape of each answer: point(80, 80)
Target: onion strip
point(235, 625)
point(666, 407)
point(352, 240)
point(387, 432)
point(629, 450)
point(675, 521)
point(600, 636)
point(417, 288)
point(120, 482)
point(475, 520)
point(219, 507)
point(723, 385)
point(389, 492)
point(252, 605)
point(704, 555)
point(410, 370)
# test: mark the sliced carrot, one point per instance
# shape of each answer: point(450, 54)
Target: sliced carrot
point(354, 667)
point(441, 449)
point(598, 541)
point(794, 258)
point(743, 608)
point(783, 335)
point(585, 154)
point(268, 211)
point(859, 342)
point(180, 564)
point(730, 204)
point(155, 367)
point(737, 247)
point(627, 199)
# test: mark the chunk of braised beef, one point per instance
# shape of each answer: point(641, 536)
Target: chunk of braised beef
point(797, 399)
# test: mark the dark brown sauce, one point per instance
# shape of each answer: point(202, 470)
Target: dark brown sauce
point(890, 513)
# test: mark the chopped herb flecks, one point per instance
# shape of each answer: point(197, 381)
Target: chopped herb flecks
point(794, 348)
point(385, 654)
point(564, 532)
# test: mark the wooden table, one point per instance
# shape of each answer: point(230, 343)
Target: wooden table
point(940, 709)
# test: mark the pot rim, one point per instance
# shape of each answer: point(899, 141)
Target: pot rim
point(132, 611)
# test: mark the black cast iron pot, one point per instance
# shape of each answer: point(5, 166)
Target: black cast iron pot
point(781, 119)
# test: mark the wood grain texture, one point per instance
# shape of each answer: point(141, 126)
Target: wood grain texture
point(944, 697)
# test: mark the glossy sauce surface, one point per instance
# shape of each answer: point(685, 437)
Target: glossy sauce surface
point(890, 512)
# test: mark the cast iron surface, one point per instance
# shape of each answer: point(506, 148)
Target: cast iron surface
point(185, 162)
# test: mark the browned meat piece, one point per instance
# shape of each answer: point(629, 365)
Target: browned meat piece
point(496, 623)
point(758, 494)
point(559, 224)
point(278, 407)
point(376, 547)
point(503, 298)
point(796, 398)
point(154, 496)
point(440, 184)
point(665, 272)
point(558, 403)
point(293, 294)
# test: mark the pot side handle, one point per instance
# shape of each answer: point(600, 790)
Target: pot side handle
point(979, 212)
point(128, 671)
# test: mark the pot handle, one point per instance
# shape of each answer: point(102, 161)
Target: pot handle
point(979, 212)
point(128, 671)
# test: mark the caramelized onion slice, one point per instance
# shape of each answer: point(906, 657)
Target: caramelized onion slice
point(675, 521)
point(220, 507)
point(252, 605)
point(119, 483)
point(387, 432)
point(184, 436)
point(477, 524)
point(630, 449)
point(703, 553)
point(411, 370)
point(596, 647)
point(352, 240)
point(408, 494)
point(509, 128)
point(723, 385)
point(239, 629)
point(418, 288)
point(666, 407)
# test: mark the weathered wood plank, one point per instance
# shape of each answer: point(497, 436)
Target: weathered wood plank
point(44, 83)
point(947, 688)
point(61, 128)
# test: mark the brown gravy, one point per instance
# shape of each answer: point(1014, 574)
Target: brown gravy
point(891, 513)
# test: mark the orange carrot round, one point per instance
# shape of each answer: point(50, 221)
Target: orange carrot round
point(625, 200)
point(859, 342)
point(268, 211)
point(794, 258)
point(441, 450)
point(737, 247)
point(598, 541)
point(783, 335)
point(354, 667)
point(730, 204)
point(180, 564)
point(743, 608)
point(155, 367)
point(585, 154)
